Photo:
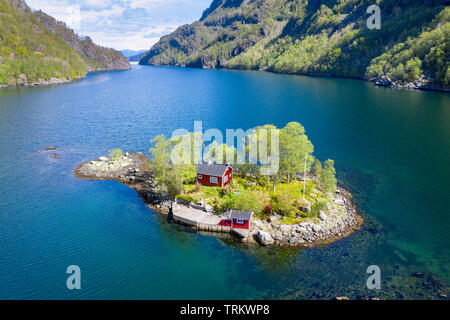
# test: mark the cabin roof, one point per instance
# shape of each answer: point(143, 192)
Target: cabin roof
point(240, 215)
point(215, 170)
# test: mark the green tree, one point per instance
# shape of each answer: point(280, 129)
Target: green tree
point(247, 169)
point(317, 170)
point(184, 163)
point(167, 174)
point(173, 183)
point(263, 139)
point(186, 173)
point(294, 145)
point(247, 200)
point(413, 69)
point(328, 179)
point(221, 154)
point(160, 160)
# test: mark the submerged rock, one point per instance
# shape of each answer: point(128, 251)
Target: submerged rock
point(418, 275)
point(442, 296)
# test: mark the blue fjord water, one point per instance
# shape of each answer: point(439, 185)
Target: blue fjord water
point(391, 149)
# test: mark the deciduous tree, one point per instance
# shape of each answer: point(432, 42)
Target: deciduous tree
point(328, 179)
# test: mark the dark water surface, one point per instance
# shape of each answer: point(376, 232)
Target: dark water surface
point(391, 147)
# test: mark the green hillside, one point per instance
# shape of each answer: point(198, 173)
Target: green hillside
point(315, 37)
point(35, 48)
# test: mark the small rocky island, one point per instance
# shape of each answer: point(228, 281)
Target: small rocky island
point(337, 220)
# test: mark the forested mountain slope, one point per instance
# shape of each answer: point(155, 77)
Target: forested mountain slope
point(313, 37)
point(35, 48)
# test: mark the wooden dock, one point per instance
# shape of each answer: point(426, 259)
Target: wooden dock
point(198, 219)
point(240, 233)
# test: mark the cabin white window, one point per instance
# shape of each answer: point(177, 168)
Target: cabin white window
point(225, 179)
point(240, 221)
point(200, 176)
point(213, 179)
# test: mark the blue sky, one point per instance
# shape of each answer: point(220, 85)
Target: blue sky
point(123, 24)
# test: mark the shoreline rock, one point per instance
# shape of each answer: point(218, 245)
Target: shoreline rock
point(340, 220)
point(264, 238)
point(423, 83)
point(133, 171)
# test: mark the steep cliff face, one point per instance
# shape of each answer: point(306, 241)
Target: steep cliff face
point(36, 49)
point(328, 37)
point(20, 4)
point(96, 57)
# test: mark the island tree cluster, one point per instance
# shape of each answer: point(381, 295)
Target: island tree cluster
point(283, 192)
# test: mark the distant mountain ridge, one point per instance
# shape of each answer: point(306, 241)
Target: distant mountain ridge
point(312, 37)
point(137, 57)
point(134, 55)
point(127, 53)
point(37, 49)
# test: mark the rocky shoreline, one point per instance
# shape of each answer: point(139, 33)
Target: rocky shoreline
point(52, 81)
point(422, 83)
point(22, 82)
point(339, 220)
point(133, 171)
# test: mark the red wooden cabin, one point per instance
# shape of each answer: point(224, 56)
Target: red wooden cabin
point(214, 175)
point(237, 220)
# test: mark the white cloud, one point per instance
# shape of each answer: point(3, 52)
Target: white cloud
point(95, 4)
point(123, 24)
point(148, 4)
point(94, 16)
point(60, 10)
point(143, 39)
